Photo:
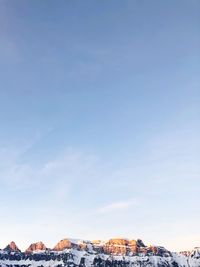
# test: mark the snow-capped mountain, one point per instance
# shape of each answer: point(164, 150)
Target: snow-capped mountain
point(115, 252)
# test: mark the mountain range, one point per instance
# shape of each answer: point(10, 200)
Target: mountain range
point(116, 252)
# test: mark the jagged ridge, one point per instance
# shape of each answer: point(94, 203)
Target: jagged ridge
point(116, 252)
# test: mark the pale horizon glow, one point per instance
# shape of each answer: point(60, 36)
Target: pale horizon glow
point(100, 121)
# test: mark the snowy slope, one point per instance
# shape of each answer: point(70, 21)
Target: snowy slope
point(90, 256)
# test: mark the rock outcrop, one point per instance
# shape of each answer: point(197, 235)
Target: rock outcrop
point(12, 247)
point(63, 244)
point(39, 246)
point(116, 246)
point(120, 246)
point(117, 252)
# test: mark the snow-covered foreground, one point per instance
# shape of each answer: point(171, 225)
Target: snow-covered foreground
point(81, 258)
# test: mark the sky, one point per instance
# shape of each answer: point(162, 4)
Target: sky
point(100, 121)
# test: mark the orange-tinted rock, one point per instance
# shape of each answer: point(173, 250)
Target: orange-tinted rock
point(117, 246)
point(132, 245)
point(82, 246)
point(153, 249)
point(12, 247)
point(120, 246)
point(63, 244)
point(35, 247)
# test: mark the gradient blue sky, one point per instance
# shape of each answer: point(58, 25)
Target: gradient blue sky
point(100, 121)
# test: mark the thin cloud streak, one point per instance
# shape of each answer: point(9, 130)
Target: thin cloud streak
point(118, 206)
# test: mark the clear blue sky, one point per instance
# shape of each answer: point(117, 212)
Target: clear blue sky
point(100, 121)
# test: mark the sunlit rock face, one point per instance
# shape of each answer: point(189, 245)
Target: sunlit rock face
point(117, 252)
point(71, 243)
point(39, 246)
point(116, 246)
point(12, 247)
point(120, 246)
point(81, 246)
point(63, 244)
point(132, 246)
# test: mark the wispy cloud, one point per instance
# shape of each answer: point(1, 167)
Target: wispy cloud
point(57, 174)
point(117, 206)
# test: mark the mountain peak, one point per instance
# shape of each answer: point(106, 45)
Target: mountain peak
point(63, 244)
point(12, 247)
point(38, 246)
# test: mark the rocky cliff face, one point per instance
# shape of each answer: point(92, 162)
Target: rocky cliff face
point(116, 247)
point(124, 247)
point(120, 246)
point(71, 243)
point(39, 246)
point(63, 244)
point(12, 247)
point(116, 252)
